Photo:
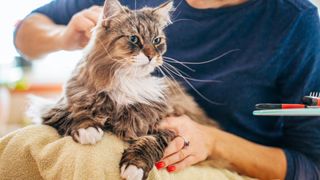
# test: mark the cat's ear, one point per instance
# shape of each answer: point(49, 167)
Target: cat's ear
point(163, 12)
point(111, 8)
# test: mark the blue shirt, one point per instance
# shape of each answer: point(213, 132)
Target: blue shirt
point(278, 61)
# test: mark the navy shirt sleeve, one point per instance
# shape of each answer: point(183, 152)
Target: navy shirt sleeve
point(300, 76)
point(61, 11)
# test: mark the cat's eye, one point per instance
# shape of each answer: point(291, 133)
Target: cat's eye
point(134, 39)
point(157, 41)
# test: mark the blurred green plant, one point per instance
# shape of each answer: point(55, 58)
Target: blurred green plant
point(12, 75)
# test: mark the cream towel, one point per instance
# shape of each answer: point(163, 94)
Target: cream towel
point(38, 152)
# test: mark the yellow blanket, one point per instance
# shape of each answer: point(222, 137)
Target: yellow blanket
point(38, 152)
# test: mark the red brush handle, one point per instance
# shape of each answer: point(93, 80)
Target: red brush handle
point(292, 106)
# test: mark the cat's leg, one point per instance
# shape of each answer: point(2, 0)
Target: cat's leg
point(80, 126)
point(138, 159)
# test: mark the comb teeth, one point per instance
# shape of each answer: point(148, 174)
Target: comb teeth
point(314, 94)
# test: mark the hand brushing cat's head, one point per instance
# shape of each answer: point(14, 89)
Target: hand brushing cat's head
point(132, 40)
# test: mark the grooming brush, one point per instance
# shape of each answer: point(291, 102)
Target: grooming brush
point(265, 106)
point(312, 100)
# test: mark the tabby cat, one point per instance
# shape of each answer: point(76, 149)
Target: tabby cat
point(112, 89)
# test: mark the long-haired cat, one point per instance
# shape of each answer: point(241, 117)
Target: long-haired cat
point(112, 88)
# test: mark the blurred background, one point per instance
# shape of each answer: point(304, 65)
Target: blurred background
point(19, 78)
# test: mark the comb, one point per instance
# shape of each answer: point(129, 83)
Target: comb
point(314, 94)
point(312, 100)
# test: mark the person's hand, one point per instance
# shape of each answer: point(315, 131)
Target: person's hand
point(201, 143)
point(78, 32)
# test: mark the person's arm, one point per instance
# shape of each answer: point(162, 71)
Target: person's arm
point(45, 30)
point(38, 36)
point(246, 157)
point(301, 166)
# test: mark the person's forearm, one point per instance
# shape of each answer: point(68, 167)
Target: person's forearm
point(248, 158)
point(38, 36)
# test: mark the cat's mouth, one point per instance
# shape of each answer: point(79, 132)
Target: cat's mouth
point(145, 63)
point(140, 70)
point(141, 66)
point(142, 60)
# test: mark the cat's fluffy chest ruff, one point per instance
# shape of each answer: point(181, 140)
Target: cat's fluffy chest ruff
point(128, 89)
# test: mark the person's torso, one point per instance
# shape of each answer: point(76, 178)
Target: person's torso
point(254, 33)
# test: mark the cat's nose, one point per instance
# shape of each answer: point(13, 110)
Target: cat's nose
point(149, 57)
point(149, 52)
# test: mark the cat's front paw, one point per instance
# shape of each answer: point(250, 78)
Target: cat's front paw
point(90, 135)
point(134, 165)
point(131, 172)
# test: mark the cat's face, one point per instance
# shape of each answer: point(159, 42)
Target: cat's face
point(133, 40)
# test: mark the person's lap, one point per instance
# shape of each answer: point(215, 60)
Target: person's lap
point(38, 152)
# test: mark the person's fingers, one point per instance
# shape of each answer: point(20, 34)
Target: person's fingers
point(83, 25)
point(174, 146)
point(96, 8)
point(92, 15)
point(176, 157)
point(186, 162)
point(83, 43)
point(88, 33)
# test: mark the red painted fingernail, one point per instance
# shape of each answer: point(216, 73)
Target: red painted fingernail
point(160, 164)
point(171, 169)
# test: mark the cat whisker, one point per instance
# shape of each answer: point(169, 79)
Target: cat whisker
point(174, 10)
point(105, 49)
point(165, 76)
point(175, 61)
point(173, 82)
point(178, 20)
point(208, 61)
point(177, 69)
point(198, 92)
point(111, 57)
point(135, 10)
point(177, 73)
